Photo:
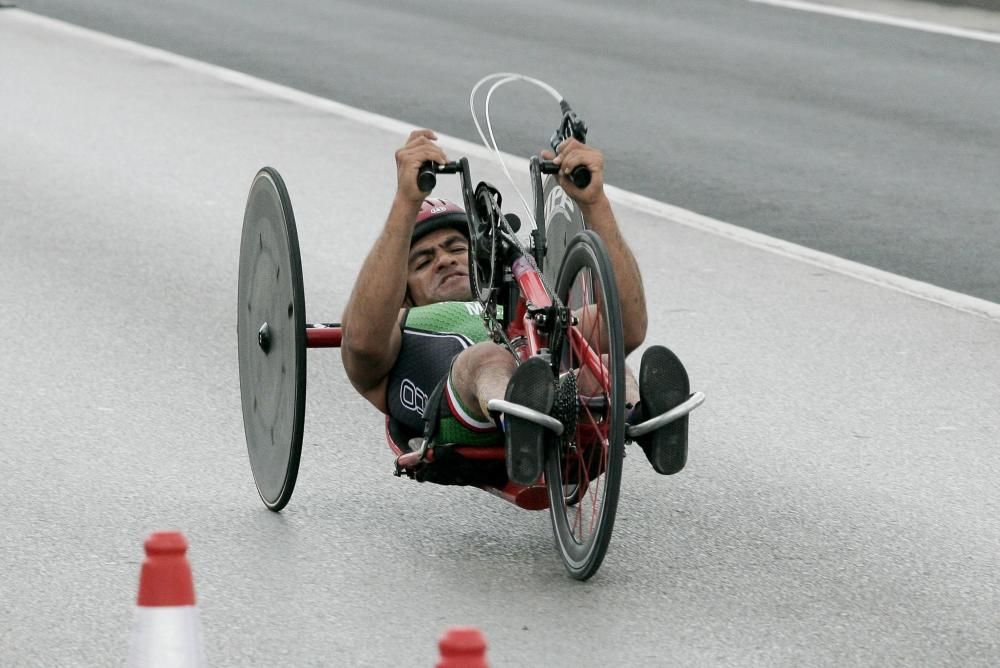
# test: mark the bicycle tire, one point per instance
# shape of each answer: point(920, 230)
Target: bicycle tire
point(583, 471)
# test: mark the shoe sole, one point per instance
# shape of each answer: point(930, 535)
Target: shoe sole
point(664, 384)
point(532, 385)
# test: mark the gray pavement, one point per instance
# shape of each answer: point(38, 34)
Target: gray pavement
point(870, 142)
point(839, 507)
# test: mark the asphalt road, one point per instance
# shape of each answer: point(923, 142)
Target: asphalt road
point(870, 142)
point(839, 507)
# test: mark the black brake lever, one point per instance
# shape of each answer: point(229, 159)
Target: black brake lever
point(571, 126)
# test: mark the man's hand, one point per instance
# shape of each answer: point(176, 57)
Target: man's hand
point(573, 154)
point(419, 148)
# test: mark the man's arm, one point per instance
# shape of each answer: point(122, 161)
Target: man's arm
point(370, 323)
point(596, 210)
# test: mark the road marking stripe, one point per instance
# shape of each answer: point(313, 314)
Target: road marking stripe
point(919, 289)
point(872, 17)
point(863, 272)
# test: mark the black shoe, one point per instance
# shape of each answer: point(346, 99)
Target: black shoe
point(533, 386)
point(663, 384)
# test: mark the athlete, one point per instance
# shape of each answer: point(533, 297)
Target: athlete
point(411, 325)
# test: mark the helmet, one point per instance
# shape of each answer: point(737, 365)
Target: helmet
point(436, 214)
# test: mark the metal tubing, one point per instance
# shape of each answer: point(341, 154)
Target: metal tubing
point(531, 334)
point(530, 282)
point(587, 355)
point(675, 413)
point(525, 413)
point(323, 336)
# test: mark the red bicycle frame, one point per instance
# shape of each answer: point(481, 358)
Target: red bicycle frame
point(533, 298)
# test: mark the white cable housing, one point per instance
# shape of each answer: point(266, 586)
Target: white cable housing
point(500, 79)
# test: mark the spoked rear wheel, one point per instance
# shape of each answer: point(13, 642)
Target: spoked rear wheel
point(583, 471)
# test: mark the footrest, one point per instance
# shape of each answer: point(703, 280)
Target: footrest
point(525, 413)
point(634, 431)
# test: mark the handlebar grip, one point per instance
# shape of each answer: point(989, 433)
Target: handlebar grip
point(426, 177)
point(580, 177)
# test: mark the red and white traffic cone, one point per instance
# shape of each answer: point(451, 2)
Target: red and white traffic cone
point(165, 630)
point(462, 647)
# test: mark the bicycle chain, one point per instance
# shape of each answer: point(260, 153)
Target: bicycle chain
point(492, 323)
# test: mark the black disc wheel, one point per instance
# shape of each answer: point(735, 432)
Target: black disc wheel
point(563, 221)
point(583, 471)
point(271, 330)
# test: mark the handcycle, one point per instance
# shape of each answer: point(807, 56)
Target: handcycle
point(555, 298)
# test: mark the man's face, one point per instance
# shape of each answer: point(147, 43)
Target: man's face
point(438, 268)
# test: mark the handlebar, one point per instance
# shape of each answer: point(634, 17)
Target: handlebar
point(579, 176)
point(570, 126)
point(427, 177)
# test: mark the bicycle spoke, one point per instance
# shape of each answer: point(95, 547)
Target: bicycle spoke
point(587, 470)
point(589, 461)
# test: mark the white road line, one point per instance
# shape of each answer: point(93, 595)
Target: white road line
point(872, 17)
point(640, 203)
point(833, 263)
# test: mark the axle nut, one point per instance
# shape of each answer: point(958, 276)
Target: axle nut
point(264, 338)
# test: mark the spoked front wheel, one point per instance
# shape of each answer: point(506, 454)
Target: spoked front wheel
point(583, 471)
